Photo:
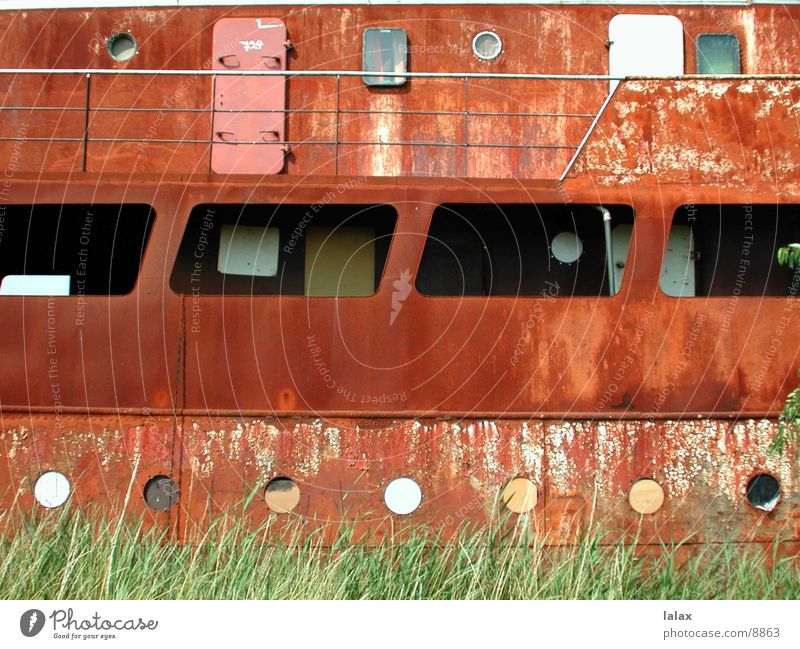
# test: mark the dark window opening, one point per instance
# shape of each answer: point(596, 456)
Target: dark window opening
point(72, 249)
point(718, 54)
point(496, 250)
point(313, 250)
point(730, 250)
point(385, 51)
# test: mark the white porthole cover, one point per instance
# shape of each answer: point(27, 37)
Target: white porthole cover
point(402, 496)
point(487, 46)
point(567, 247)
point(51, 489)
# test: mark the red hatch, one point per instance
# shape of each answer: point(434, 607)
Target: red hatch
point(249, 112)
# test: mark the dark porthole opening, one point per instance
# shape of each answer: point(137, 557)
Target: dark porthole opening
point(764, 492)
point(161, 493)
point(121, 46)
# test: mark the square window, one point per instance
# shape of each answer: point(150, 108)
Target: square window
point(718, 54)
point(385, 51)
point(248, 250)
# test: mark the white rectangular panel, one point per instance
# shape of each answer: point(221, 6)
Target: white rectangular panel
point(645, 46)
point(35, 285)
point(248, 250)
point(677, 271)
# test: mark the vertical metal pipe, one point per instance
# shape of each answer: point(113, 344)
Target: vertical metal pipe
point(338, 109)
point(86, 121)
point(212, 112)
point(466, 126)
point(612, 289)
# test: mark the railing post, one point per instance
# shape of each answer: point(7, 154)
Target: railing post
point(211, 120)
point(336, 133)
point(86, 121)
point(466, 125)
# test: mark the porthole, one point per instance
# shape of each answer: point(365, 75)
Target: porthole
point(646, 496)
point(402, 496)
point(282, 495)
point(567, 247)
point(161, 493)
point(51, 489)
point(764, 492)
point(121, 46)
point(487, 46)
point(520, 495)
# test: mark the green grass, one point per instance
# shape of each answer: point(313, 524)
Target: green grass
point(69, 557)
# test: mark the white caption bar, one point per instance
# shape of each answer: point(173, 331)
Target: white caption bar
point(763, 624)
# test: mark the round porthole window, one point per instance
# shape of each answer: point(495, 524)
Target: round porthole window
point(487, 46)
point(161, 493)
point(646, 496)
point(122, 46)
point(51, 489)
point(764, 492)
point(567, 247)
point(282, 495)
point(520, 495)
point(402, 496)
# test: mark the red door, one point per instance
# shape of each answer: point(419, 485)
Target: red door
point(249, 112)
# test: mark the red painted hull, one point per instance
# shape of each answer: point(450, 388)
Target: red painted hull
point(223, 393)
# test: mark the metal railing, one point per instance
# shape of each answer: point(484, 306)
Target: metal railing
point(339, 113)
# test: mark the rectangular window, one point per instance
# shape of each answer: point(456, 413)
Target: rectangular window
point(727, 250)
point(533, 250)
point(385, 51)
point(313, 250)
point(718, 54)
point(248, 250)
point(72, 249)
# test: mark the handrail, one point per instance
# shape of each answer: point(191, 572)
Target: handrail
point(311, 73)
point(408, 75)
point(588, 133)
point(517, 140)
point(466, 114)
point(321, 111)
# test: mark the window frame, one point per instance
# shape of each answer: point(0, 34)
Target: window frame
point(385, 80)
point(698, 58)
point(170, 273)
point(626, 275)
point(670, 222)
point(150, 228)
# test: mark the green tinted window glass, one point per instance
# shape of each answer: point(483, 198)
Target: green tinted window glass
point(385, 51)
point(718, 54)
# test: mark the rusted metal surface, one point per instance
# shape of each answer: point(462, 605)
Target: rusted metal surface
point(108, 461)
point(745, 133)
point(600, 380)
point(549, 356)
point(583, 395)
point(583, 471)
point(555, 40)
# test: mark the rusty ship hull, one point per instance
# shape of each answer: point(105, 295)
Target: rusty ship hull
point(223, 387)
